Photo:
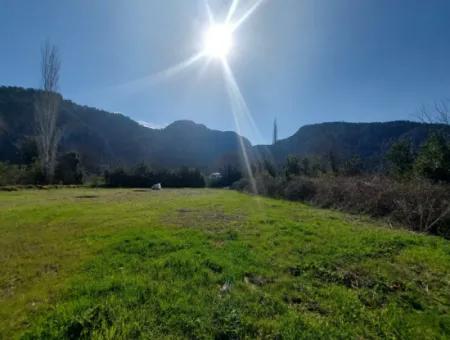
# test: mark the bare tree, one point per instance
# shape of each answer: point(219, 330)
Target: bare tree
point(442, 112)
point(46, 110)
point(439, 115)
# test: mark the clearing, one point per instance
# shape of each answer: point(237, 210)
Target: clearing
point(127, 263)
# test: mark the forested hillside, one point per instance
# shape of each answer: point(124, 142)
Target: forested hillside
point(104, 139)
point(107, 140)
point(369, 141)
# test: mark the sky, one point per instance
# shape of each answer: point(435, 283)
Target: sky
point(299, 61)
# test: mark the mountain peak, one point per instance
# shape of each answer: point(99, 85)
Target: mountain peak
point(185, 124)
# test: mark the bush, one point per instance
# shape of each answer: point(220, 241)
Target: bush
point(241, 185)
point(13, 174)
point(419, 205)
point(268, 185)
point(433, 161)
point(301, 189)
point(423, 207)
point(10, 174)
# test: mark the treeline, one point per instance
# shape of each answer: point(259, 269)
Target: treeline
point(431, 161)
point(144, 177)
point(413, 189)
point(68, 171)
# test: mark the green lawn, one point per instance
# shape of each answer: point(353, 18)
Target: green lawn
point(211, 263)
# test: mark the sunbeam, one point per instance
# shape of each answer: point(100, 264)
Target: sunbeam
point(209, 12)
point(230, 13)
point(218, 42)
point(247, 14)
point(135, 85)
point(171, 71)
point(229, 77)
point(238, 107)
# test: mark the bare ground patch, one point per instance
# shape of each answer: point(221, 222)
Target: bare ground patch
point(211, 220)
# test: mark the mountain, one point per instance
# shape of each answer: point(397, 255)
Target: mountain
point(106, 139)
point(369, 141)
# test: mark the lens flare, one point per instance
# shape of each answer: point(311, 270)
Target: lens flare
point(240, 111)
point(217, 44)
point(218, 40)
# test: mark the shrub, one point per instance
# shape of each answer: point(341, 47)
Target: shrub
point(301, 189)
point(418, 204)
point(433, 161)
point(241, 185)
point(401, 158)
point(423, 207)
point(10, 174)
point(268, 185)
point(13, 174)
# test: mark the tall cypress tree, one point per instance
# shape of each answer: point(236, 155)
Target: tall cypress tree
point(275, 131)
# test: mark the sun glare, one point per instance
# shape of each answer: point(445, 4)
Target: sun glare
point(218, 40)
point(217, 44)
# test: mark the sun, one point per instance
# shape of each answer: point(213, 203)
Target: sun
point(218, 40)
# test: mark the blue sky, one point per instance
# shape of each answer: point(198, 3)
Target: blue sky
point(300, 61)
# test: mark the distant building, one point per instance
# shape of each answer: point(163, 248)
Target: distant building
point(215, 176)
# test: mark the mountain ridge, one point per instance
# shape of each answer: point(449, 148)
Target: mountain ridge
point(104, 139)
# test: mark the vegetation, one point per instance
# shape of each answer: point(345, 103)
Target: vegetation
point(228, 175)
point(143, 177)
point(109, 263)
point(413, 190)
point(121, 263)
point(337, 142)
point(105, 140)
point(68, 171)
point(433, 161)
point(14, 174)
point(47, 111)
point(418, 205)
point(401, 158)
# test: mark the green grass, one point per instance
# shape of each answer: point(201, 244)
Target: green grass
point(211, 264)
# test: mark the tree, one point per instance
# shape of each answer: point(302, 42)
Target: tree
point(275, 132)
point(353, 166)
point(68, 169)
point(306, 167)
point(46, 110)
point(333, 162)
point(401, 158)
point(433, 160)
point(270, 168)
point(292, 167)
point(440, 114)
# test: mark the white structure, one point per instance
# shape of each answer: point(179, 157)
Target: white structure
point(156, 186)
point(215, 176)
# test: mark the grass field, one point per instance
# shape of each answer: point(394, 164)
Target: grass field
point(211, 264)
